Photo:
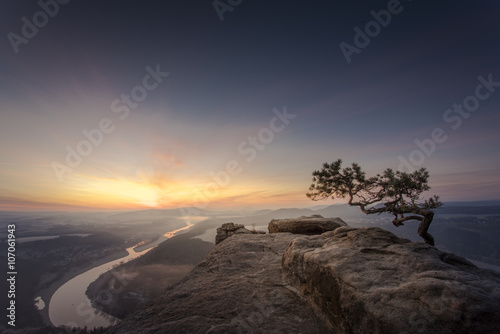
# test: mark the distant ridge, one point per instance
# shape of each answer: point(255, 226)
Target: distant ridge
point(161, 213)
point(469, 210)
point(474, 203)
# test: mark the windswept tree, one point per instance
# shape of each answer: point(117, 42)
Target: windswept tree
point(397, 193)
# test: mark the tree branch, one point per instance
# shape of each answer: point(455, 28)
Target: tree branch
point(399, 190)
point(400, 221)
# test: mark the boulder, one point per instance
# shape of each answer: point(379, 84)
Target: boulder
point(237, 288)
point(228, 229)
point(368, 280)
point(309, 225)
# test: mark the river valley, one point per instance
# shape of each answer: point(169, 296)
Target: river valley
point(69, 305)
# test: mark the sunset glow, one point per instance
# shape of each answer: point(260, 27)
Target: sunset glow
point(229, 117)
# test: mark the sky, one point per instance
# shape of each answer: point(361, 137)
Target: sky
point(234, 103)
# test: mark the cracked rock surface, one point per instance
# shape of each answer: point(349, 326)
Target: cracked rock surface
point(368, 280)
point(309, 225)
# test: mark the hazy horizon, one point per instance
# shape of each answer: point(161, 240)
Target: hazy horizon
point(242, 210)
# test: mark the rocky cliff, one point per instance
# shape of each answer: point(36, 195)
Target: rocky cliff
point(237, 288)
point(343, 281)
point(370, 281)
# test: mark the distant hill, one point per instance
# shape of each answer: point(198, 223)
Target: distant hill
point(343, 211)
point(469, 210)
point(474, 203)
point(290, 212)
point(154, 214)
point(449, 208)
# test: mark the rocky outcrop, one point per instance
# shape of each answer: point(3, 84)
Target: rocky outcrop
point(370, 281)
point(309, 225)
point(228, 229)
point(344, 281)
point(237, 288)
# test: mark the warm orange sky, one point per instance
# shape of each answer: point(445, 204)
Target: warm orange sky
point(155, 171)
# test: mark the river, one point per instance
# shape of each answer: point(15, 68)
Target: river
point(70, 306)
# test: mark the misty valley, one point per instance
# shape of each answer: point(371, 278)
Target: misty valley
point(53, 248)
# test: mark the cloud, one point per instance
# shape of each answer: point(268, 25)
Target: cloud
point(165, 160)
point(13, 204)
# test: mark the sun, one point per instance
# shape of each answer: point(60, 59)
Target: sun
point(147, 199)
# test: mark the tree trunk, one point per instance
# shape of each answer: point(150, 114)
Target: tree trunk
point(424, 226)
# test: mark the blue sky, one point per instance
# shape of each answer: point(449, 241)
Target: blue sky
point(224, 80)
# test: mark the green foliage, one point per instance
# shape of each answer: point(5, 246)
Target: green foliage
point(399, 192)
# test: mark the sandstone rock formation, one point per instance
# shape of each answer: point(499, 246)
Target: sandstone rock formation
point(237, 288)
point(228, 229)
point(370, 281)
point(344, 281)
point(310, 225)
